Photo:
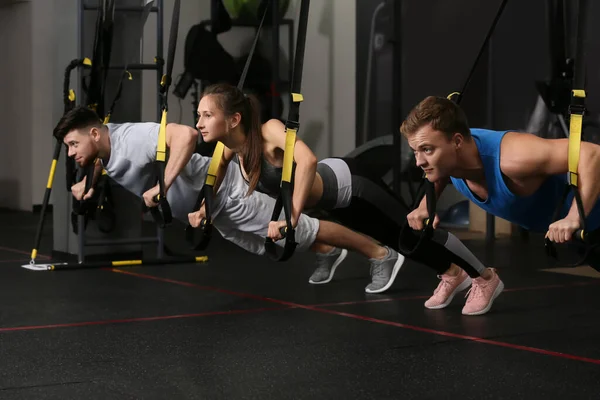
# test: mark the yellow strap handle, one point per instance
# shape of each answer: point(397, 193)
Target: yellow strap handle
point(213, 168)
point(51, 174)
point(161, 149)
point(288, 154)
point(575, 140)
point(290, 144)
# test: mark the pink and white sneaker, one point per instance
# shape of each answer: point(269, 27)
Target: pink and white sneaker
point(482, 294)
point(447, 289)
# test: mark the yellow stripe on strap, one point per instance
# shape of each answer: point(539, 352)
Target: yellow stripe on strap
point(288, 154)
point(51, 174)
point(71, 95)
point(213, 168)
point(449, 97)
point(161, 149)
point(575, 136)
point(202, 259)
point(127, 262)
point(297, 97)
point(106, 119)
point(574, 146)
point(33, 254)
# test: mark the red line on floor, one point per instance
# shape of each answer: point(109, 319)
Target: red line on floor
point(369, 319)
point(459, 336)
point(141, 319)
point(21, 260)
point(22, 252)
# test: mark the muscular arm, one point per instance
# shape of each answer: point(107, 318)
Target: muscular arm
point(306, 165)
point(225, 159)
point(181, 141)
point(97, 172)
point(526, 157)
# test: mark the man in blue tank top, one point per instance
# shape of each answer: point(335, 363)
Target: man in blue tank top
point(516, 176)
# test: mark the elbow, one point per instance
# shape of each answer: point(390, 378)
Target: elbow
point(596, 153)
point(191, 134)
point(184, 133)
point(592, 152)
point(311, 162)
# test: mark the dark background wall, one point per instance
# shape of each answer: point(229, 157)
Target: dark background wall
point(439, 42)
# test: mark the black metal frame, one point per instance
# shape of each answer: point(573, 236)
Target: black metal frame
point(82, 242)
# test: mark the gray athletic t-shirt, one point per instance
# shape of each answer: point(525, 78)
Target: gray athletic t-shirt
point(239, 218)
point(244, 220)
point(131, 165)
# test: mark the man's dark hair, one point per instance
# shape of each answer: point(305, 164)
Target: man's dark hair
point(78, 118)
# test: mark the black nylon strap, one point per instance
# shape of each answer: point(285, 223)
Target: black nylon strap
point(428, 188)
point(200, 242)
point(284, 200)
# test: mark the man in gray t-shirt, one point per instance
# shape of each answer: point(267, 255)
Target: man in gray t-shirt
point(127, 152)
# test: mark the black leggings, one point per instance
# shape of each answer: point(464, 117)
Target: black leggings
point(376, 211)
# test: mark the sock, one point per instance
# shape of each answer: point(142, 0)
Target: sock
point(333, 252)
point(386, 257)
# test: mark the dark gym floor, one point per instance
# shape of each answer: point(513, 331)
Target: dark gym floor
point(242, 326)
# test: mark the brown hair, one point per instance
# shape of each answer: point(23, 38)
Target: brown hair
point(232, 100)
point(78, 118)
point(444, 115)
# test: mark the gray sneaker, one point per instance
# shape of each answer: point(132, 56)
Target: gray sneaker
point(383, 272)
point(326, 265)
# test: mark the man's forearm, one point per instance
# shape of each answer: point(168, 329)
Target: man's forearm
point(439, 186)
point(180, 151)
point(98, 168)
point(588, 184)
point(220, 174)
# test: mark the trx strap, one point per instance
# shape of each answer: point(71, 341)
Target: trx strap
point(95, 92)
point(161, 213)
point(69, 103)
point(100, 57)
point(207, 192)
point(201, 241)
point(292, 124)
point(577, 110)
point(126, 74)
point(104, 214)
point(427, 188)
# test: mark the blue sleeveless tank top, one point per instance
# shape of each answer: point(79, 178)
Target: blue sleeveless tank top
point(532, 212)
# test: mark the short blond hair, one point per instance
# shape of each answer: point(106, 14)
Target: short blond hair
point(444, 115)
